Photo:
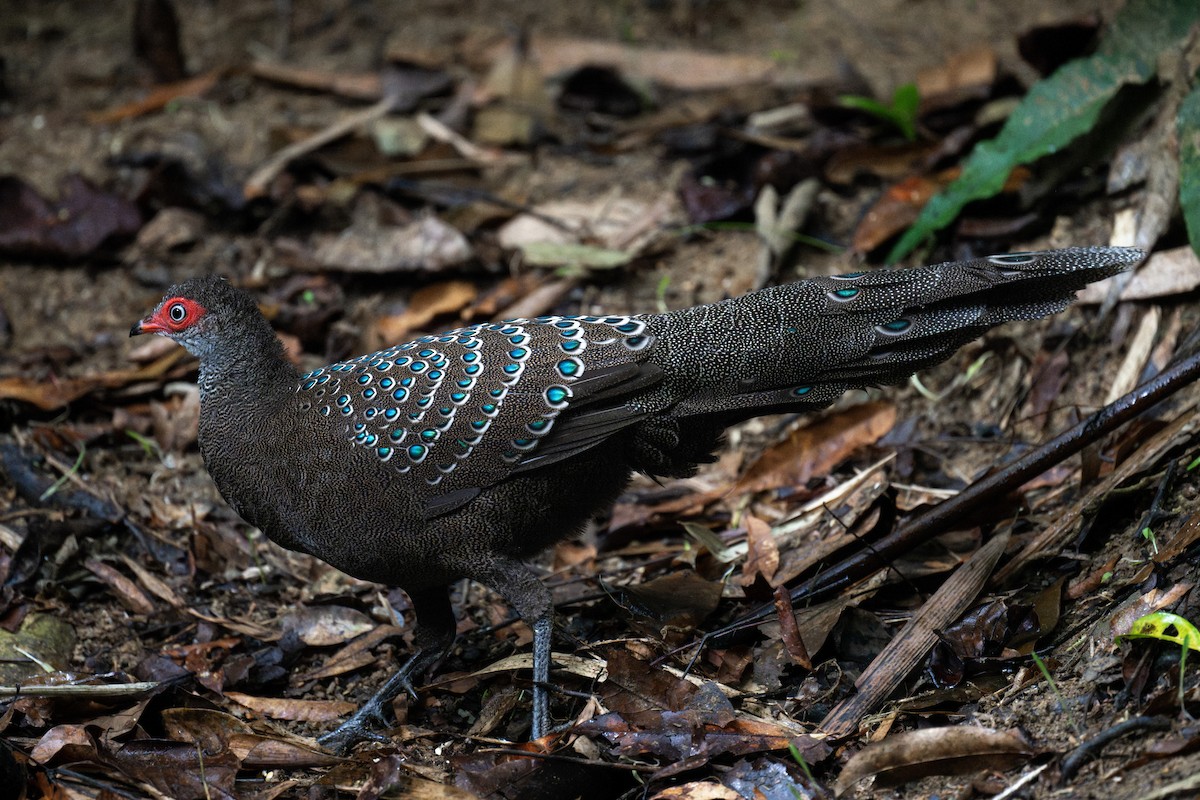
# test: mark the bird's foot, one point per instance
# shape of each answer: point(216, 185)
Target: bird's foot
point(364, 726)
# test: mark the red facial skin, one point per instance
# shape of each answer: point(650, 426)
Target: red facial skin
point(175, 315)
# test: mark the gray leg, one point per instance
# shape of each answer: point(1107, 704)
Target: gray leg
point(530, 598)
point(541, 674)
point(435, 634)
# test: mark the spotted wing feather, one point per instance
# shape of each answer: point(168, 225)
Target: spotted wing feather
point(462, 410)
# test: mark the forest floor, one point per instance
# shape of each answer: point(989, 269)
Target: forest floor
point(122, 566)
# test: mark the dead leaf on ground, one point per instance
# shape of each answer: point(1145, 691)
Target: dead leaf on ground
point(352, 85)
point(426, 303)
point(427, 245)
point(698, 790)
point(816, 448)
point(901, 203)
point(125, 590)
point(177, 769)
point(294, 710)
point(614, 222)
point(966, 74)
point(911, 755)
point(56, 393)
point(762, 556)
point(158, 98)
point(1154, 600)
point(322, 626)
point(678, 601)
point(82, 219)
point(694, 70)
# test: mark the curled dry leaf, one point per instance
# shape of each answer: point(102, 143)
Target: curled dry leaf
point(170, 229)
point(762, 557)
point(913, 755)
point(355, 655)
point(698, 790)
point(321, 626)
point(272, 752)
point(587, 668)
point(426, 245)
point(1121, 623)
point(125, 590)
point(213, 731)
point(294, 710)
point(426, 303)
point(64, 744)
point(82, 219)
point(817, 448)
point(681, 68)
point(611, 222)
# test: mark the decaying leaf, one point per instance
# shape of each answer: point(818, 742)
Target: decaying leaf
point(816, 448)
point(912, 755)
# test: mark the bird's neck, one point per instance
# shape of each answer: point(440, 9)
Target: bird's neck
point(247, 378)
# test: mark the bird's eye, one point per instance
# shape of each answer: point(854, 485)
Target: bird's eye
point(177, 312)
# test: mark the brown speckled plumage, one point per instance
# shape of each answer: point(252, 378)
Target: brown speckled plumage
point(460, 454)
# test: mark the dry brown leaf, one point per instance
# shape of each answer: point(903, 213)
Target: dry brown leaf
point(257, 751)
point(679, 68)
point(338, 666)
point(698, 790)
point(426, 245)
point(355, 85)
point(607, 221)
point(322, 626)
point(895, 210)
point(763, 556)
point(243, 625)
point(789, 631)
point(153, 584)
point(815, 532)
point(966, 70)
point(157, 99)
point(294, 710)
point(900, 204)
point(912, 755)
point(126, 591)
point(816, 448)
point(58, 392)
point(426, 303)
point(1154, 600)
point(71, 741)
point(355, 655)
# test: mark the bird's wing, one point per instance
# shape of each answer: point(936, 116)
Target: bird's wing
point(465, 409)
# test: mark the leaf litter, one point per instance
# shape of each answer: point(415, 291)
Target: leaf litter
point(161, 648)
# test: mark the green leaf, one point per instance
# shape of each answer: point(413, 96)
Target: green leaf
point(1166, 627)
point(552, 254)
point(1060, 108)
point(1187, 128)
point(712, 542)
point(902, 112)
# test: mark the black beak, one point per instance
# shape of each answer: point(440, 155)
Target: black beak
point(136, 330)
